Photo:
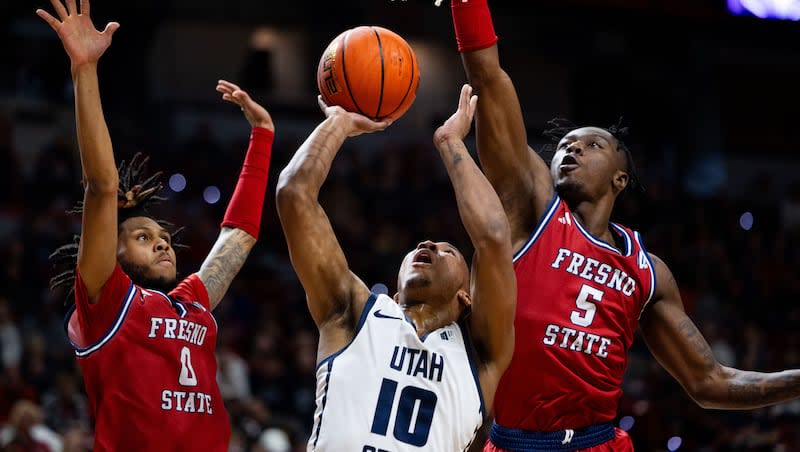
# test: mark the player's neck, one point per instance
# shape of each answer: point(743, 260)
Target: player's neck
point(427, 318)
point(594, 216)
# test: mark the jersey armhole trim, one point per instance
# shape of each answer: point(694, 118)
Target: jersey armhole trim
point(82, 352)
point(543, 221)
point(472, 365)
point(361, 320)
point(653, 281)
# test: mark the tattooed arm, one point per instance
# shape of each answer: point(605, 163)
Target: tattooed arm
point(679, 346)
point(242, 221)
point(224, 262)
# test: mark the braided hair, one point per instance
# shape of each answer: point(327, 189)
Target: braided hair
point(136, 195)
point(560, 127)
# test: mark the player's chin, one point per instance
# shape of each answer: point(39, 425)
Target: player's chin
point(566, 186)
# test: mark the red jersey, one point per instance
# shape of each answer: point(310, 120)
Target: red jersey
point(578, 305)
point(149, 366)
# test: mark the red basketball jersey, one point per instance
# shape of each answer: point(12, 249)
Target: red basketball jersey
point(578, 306)
point(149, 366)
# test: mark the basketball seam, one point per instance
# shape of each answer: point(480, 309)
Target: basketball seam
point(412, 79)
point(344, 72)
point(383, 73)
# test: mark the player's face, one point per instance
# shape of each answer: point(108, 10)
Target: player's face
point(433, 268)
point(586, 163)
point(145, 253)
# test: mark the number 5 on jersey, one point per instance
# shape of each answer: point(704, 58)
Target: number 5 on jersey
point(587, 308)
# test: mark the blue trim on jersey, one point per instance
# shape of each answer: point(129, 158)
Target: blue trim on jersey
point(324, 401)
point(601, 243)
point(179, 307)
point(628, 242)
point(543, 221)
point(513, 439)
point(472, 364)
point(329, 360)
point(367, 307)
point(123, 312)
point(653, 282)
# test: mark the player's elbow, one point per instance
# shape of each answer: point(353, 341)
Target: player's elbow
point(708, 391)
point(495, 235)
point(290, 191)
point(102, 184)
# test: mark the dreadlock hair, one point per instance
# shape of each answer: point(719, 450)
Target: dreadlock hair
point(136, 194)
point(560, 127)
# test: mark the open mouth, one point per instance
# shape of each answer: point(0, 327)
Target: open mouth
point(422, 257)
point(568, 163)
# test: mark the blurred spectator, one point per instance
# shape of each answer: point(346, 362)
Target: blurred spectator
point(25, 431)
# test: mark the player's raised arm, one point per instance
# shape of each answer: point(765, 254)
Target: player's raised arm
point(331, 288)
point(493, 285)
point(242, 220)
point(84, 45)
point(679, 346)
point(520, 176)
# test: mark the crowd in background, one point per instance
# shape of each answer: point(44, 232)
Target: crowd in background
point(738, 281)
point(735, 253)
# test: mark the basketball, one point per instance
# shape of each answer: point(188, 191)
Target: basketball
point(369, 70)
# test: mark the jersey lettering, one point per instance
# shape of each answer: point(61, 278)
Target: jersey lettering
point(583, 267)
point(417, 363)
point(186, 402)
point(178, 329)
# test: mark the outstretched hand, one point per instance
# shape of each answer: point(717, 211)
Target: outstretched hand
point(82, 41)
point(255, 114)
point(459, 124)
point(359, 124)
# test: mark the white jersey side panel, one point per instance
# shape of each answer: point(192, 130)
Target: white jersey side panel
point(391, 391)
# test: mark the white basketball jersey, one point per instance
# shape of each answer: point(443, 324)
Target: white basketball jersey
point(391, 391)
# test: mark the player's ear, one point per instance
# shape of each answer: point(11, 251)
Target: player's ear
point(464, 303)
point(396, 297)
point(620, 180)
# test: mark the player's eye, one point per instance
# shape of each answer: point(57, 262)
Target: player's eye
point(141, 237)
point(595, 144)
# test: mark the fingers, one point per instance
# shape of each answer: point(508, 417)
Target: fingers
point(111, 27)
point(321, 103)
point(85, 7)
point(463, 100)
point(60, 10)
point(231, 87)
point(52, 21)
point(72, 8)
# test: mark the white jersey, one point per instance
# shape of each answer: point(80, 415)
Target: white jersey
point(390, 390)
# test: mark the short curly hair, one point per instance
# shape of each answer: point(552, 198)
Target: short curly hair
point(560, 127)
point(136, 195)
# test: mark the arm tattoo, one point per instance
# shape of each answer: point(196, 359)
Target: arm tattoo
point(224, 262)
point(457, 158)
point(688, 330)
point(756, 389)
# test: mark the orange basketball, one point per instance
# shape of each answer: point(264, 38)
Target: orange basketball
point(369, 70)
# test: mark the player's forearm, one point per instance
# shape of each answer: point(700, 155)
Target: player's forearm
point(223, 263)
point(478, 205)
point(741, 389)
point(309, 167)
point(97, 156)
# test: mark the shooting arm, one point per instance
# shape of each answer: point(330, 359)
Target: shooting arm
point(332, 290)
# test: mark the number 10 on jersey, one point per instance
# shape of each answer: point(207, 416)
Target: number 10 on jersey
point(415, 407)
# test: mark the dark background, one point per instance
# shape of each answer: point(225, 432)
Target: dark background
point(711, 101)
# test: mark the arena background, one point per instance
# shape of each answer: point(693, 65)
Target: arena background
point(712, 102)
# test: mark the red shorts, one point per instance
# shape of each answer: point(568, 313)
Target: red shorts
point(621, 443)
